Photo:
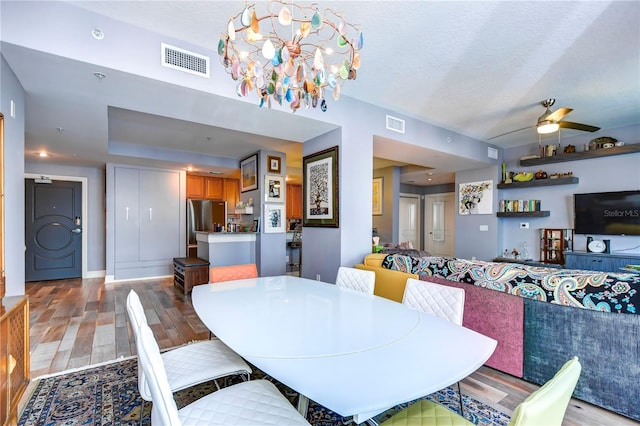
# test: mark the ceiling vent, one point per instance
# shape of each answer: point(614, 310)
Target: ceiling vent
point(395, 124)
point(183, 60)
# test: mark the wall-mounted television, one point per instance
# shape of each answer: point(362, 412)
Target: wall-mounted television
point(607, 213)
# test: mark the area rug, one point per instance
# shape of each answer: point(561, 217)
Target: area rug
point(108, 395)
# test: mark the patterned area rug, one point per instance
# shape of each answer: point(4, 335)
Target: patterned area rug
point(108, 395)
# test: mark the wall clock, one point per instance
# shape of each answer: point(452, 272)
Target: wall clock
point(597, 246)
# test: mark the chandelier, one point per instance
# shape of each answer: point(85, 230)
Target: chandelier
point(290, 53)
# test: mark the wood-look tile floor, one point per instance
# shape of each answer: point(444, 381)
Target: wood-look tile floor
point(75, 323)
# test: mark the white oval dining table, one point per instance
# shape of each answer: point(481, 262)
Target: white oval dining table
point(353, 353)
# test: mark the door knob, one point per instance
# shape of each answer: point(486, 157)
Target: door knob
point(76, 231)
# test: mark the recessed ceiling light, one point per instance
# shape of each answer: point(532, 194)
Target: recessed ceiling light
point(97, 34)
point(99, 75)
point(189, 169)
point(43, 154)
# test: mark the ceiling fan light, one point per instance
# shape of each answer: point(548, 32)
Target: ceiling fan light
point(546, 127)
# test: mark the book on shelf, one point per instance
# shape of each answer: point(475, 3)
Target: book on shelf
point(519, 206)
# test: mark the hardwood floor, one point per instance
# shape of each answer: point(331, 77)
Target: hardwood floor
point(75, 323)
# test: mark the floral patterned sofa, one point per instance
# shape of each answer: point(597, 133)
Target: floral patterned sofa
point(541, 317)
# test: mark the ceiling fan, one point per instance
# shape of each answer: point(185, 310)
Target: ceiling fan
point(551, 121)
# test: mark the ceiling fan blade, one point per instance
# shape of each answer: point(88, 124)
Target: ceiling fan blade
point(578, 126)
point(508, 133)
point(558, 114)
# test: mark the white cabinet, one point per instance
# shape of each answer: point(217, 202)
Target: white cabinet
point(146, 221)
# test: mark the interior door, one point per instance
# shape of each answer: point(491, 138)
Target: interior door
point(409, 220)
point(53, 228)
point(439, 224)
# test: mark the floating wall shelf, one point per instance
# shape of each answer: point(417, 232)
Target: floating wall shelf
point(539, 182)
point(585, 155)
point(524, 214)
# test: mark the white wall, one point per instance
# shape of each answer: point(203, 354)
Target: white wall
point(470, 241)
point(617, 173)
point(11, 90)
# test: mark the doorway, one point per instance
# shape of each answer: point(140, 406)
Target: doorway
point(439, 224)
point(409, 220)
point(53, 229)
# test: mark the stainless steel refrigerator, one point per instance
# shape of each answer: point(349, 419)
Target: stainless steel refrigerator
point(204, 215)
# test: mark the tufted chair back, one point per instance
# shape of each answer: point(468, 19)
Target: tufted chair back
point(356, 279)
point(440, 300)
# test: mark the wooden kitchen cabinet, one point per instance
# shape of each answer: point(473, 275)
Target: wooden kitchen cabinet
point(231, 193)
point(195, 186)
point(14, 355)
point(214, 188)
point(294, 201)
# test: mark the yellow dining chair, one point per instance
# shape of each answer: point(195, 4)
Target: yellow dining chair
point(546, 406)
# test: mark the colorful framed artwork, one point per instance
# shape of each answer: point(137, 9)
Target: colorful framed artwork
point(274, 218)
point(274, 189)
point(475, 197)
point(249, 173)
point(378, 184)
point(273, 164)
point(320, 189)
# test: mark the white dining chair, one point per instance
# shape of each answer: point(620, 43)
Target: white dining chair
point(190, 364)
point(356, 279)
point(443, 301)
point(253, 402)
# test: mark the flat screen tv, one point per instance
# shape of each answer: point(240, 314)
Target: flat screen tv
point(607, 213)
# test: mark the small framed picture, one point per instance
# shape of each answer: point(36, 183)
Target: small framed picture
point(249, 173)
point(273, 164)
point(256, 225)
point(273, 218)
point(274, 186)
point(378, 185)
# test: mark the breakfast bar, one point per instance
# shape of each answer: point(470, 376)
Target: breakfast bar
point(227, 248)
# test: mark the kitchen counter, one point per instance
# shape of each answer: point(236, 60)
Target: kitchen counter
point(227, 248)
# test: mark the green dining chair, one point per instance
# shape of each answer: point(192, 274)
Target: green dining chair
point(546, 406)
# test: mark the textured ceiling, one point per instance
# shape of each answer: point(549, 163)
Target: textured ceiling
point(478, 68)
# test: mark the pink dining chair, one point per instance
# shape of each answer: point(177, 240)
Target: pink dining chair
point(232, 272)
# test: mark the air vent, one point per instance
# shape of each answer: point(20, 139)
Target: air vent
point(395, 124)
point(183, 60)
point(492, 153)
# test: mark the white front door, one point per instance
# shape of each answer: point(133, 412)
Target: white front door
point(409, 221)
point(438, 224)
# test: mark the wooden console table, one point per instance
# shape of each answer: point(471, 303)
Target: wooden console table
point(14, 355)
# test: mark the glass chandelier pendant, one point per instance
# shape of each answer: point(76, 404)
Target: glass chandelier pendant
point(290, 53)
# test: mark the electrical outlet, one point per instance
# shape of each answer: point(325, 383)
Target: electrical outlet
point(317, 277)
point(286, 259)
point(524, 225)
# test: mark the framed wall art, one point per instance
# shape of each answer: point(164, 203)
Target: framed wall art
point(376, 206)
point(274, 189)
point(249, 173)
point(273, 218)
point(476, 197)
point(320, 188)
point(273, 164)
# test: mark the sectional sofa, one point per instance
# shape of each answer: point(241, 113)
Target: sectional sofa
point(541, 317)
